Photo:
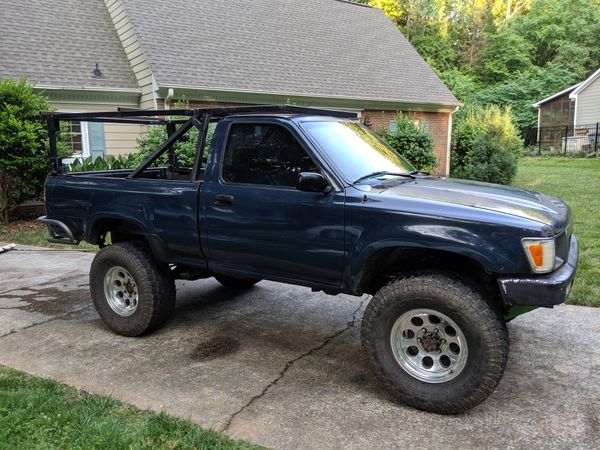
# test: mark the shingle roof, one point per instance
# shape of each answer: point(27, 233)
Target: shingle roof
point(58, 43)
point(325, 48)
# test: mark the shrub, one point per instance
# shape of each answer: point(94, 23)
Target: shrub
point(411, 142)
point(23, 144)
point(487, 145)
point(110, 162)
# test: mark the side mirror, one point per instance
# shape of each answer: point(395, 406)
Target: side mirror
point(312, 182)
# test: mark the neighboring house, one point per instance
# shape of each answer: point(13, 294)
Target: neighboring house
point(322, 53)
point(571, 118)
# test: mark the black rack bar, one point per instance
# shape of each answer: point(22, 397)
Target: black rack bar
point(215, 112)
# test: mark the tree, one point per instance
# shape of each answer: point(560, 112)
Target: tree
point(23, 144)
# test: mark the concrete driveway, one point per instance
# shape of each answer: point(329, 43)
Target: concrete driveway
point(282, 367)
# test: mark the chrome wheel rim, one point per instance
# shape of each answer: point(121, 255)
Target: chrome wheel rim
point(429, 345)
point(121, 291)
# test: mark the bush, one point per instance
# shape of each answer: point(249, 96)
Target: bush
point(110, 162)
point(185, 148)
point(487, 145)
point(23, 145)
point(411, 142)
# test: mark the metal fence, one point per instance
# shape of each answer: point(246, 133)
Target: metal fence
point(583, 140)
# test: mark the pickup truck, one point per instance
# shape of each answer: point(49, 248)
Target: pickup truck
point(313, 198)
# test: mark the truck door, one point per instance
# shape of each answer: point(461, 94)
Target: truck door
point(257, 222)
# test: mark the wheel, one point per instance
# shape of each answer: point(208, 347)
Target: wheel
point(435, 343)
point(132, 292)
point(236, 283)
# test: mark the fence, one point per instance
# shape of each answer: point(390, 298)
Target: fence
point(583, 140)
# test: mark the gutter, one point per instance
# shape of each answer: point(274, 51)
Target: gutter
point(88, 89)
point(323, 96)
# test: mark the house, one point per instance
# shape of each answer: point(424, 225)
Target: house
point(571, 118)
point(56, 45)
point(324, 53)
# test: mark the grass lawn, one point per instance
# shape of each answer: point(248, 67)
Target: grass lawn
point(40, 413)
point(29, 232)
point(577, 182)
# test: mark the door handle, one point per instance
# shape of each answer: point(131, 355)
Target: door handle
point(223, 200)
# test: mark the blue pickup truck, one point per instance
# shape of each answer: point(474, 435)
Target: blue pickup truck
point(313, 198)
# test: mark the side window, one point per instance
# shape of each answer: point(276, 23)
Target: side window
point(265, 154)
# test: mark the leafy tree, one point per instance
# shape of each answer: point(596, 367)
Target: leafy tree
point(487, 146)
point(505, 54)
point(523, 89)
point(412, 143)
point(23, 157)
point(562, 31)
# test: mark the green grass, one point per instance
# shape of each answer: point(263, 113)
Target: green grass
point(577, 182)
point(44, 414)
point(33, 233)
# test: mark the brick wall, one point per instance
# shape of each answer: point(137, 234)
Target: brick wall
point(438, 123)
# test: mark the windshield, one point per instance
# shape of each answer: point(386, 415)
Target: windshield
point(356, 151)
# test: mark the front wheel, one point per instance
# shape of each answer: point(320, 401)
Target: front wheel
point(131, 291)
point(435, 343)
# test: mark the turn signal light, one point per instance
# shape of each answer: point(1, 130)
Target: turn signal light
point(540, 253)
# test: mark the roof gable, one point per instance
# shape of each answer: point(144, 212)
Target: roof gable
point(555, 96)
point(58, 43)
point(585, 83)
point(326, 48)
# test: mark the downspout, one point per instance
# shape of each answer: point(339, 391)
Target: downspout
point(169, 98)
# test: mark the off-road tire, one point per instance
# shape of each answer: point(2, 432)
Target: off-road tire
point(484, 329)
point(238, 284)
point(155, 287)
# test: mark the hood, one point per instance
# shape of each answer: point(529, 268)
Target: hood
point(486, 196)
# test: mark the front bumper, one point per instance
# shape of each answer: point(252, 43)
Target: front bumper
point(543, 290)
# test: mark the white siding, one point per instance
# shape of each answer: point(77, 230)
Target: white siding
point(137, 61)
point(588, 104)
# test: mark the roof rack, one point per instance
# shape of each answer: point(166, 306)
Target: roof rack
point(162, 116)
point(187, 118)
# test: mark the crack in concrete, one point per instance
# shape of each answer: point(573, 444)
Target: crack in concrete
point(289, 364)
point(66, 276)
point(50, 319)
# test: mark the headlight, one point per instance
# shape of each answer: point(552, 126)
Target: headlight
point(540, 253)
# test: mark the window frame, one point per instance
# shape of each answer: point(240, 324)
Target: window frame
point(274, 122)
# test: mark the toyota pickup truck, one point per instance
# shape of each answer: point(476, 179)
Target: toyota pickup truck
point(313, 198)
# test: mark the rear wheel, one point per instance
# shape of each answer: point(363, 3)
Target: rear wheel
point(132, 293)
point(236, 283)
point(435, 343)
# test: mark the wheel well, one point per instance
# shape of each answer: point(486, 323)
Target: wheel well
point(120, 230)
point(387, 264)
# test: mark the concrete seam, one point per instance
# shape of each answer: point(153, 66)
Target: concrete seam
point(289, 364)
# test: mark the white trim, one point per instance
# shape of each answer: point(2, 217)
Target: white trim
point(336, 97)
point(558, 94)
point(91, 88)
point(575, 112)
point(85, 139)
point(539, 123)
point(449, 148)
point(85, 143)
point(585, 83)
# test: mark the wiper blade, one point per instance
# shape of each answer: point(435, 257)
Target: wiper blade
point(383, 172)
point(419, 172)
